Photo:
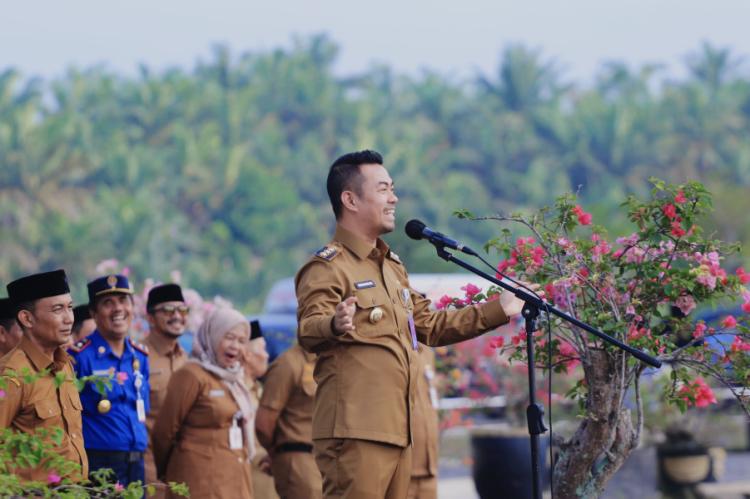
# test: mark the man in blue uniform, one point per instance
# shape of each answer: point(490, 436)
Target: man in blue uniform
point(114, 422)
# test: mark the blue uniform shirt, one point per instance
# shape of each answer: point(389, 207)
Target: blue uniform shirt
point(118, 429)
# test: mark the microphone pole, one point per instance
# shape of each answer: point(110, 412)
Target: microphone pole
point(530, 312)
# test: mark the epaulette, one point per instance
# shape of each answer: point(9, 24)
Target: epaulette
point(394, 257)
point(81, 345)
point(139, 346)
point(327, 253)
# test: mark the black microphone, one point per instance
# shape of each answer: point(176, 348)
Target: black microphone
point(417, 230)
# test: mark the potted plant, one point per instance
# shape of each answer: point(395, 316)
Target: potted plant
point(627, 287)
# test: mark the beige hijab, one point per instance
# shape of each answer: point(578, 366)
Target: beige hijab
point(205, 345)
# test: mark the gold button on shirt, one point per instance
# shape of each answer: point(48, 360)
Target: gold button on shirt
point(367, 379)
point(29, 407)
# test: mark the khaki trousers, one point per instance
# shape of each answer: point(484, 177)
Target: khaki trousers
point(362, 469)
point(422, 487)
point(296, 476)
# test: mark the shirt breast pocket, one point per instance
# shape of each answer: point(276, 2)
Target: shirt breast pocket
point(46, 409)
point(373, 313)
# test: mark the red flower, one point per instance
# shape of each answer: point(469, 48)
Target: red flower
point(746, 307)
point(677, 230)
point(669, 211)
point(680, 197)
point(744, 277)
point(583, 217)
point(729, 322)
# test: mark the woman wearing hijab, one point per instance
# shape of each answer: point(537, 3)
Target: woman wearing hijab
point(204, 435)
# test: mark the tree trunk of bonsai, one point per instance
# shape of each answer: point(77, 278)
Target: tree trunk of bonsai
point(605, 437)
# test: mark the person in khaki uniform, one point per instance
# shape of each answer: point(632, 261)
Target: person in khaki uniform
point(167, 318)
point(255, 362)
point(204, 436)
point(45, 313)
point(358, 312)
point(423, 483)
point(284, 424)
point(10, 331)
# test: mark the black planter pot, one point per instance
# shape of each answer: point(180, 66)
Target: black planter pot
point(502, 462)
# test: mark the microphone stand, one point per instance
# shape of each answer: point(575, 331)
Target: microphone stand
point(530, 312)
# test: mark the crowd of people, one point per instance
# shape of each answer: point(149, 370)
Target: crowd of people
point(348, 412)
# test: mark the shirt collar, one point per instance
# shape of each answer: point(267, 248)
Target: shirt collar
point(102, 348)
point(39, 359)
point(161, 345)
point(357, 245)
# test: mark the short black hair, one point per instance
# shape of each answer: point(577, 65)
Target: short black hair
point(7, 323)
point(344, 174)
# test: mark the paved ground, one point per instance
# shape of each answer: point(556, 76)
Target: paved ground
point(637, 478)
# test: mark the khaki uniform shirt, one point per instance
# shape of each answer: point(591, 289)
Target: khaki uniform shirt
point(29, 407)
point(163, 360)
point(367, 379)
point(424, 454)
point(191, 437)
point(290, 389)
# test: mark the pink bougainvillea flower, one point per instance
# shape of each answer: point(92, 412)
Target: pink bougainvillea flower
point(686, 304)
point(700, 329)
point(744, 276)
point(680, 197)
point(746, 307)
point(121, 377)
point(443, 302)
point(2, 393)
point(471, 290)
point(119, 487)
point(739, 345)
point(729, 322)
point(497, 342)
point(669, 211)
point(53, 478)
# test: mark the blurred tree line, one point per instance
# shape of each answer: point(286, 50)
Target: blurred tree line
point(219, 171)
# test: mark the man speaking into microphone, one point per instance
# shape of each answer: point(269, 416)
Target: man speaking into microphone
point(358, 312)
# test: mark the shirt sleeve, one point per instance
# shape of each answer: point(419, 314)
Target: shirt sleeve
point(10, 403)
point(182, 392)
point(318, 292)
point(279, 383)
point(445, 327)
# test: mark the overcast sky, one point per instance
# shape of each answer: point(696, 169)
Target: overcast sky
point(456, 37)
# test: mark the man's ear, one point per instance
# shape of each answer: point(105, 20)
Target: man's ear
point(349, 200)
point(26, 318)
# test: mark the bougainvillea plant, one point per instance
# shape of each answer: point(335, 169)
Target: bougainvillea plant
point(642, 288)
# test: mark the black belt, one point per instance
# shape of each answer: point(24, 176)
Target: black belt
point(115, 455)
point(294, 447)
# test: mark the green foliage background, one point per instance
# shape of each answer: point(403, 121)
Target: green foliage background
point(219, 171)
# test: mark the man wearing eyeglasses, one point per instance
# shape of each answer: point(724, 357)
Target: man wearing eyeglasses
point(167, 319)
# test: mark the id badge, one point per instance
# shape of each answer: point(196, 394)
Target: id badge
point(235, 436)
point(140, 408)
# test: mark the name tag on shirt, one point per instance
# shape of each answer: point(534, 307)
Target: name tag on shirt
point(235, 436)
point(101, 372)
point(140, 408)
point(364, 284)
point(216, 393)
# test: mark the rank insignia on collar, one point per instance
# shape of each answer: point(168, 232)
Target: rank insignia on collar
point(79, 346)
point(327, 253)
point(394, 257)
